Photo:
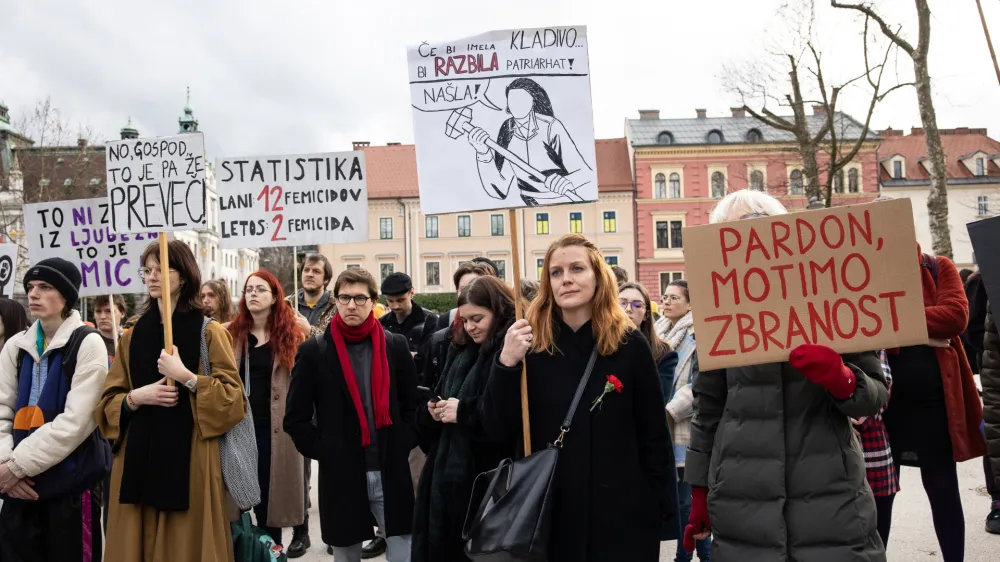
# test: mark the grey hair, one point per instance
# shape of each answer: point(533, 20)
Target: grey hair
point(746, 201)
point(883, 198)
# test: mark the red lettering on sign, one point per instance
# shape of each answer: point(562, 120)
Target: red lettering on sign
point(744, 326)
point(763, 278)
point(875, 317)
point(892, 306)
point(731, 277)
point(865, 230)
point(755, 244)
point(727, 320)
point(823, 231)
point(767, 332)
point(853, 322)
point(781, 275)
point(779, 241)
point(726, 248)
point(799, 225)
point(815, 268)
point(823, 323)
point(843, 272)
point(795, 328)
point(802, 278)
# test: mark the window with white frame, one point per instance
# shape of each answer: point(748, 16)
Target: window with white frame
point(611, 260)
point(757, 180)
point(464, 226)
point(501, 269)
point(431, 227)
point(385, 228)
point(852, 180)
point(980, 166)
point(541, 263)
point(668, 234)
point(838, 182)
point(983, 205)
point(668, 277)
point(576, 222)
point(897, 169)
point(432, 273)
point(795, 182)
point(385, 270)
point(496, 225)
point(675, 185)
point(718, 185)
point(541, 223)
point(610, 221)
point(661, 187)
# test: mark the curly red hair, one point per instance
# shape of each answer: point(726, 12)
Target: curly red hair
point(285, 335)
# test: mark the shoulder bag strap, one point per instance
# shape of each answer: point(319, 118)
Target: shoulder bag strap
point(564, 429)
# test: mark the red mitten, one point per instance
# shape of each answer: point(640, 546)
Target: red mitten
point(823, 366)
point(698, 521)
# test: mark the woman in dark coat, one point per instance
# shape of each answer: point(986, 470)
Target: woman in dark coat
point(934, 417)
point(459, 448)
point(612, 486)
point(776, 470)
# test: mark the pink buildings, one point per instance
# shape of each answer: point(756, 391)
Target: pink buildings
point(683, 166)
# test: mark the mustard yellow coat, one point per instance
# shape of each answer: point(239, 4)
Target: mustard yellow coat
point(144, 534)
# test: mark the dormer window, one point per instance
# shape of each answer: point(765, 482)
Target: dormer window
point(665, 138)
point(715, 137)
point(980, 166)
point(975, 162)
point(754, 136)
point(897, 169)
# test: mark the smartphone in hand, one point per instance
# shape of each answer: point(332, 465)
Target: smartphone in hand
point(429, 394)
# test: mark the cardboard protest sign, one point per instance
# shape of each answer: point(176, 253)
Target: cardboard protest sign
point(503, 120)
point(295, 200)
point(157, 184)
point(80, 231)
point(8, 269)
point(847, 278)
point(985, 237)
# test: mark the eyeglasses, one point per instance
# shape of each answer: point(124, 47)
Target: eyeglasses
point(636, 305)
point(672, 298)
point(256, 290)
point(359, 300)
point(145, 272)
point(753, 215)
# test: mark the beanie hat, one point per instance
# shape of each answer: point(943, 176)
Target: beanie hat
point(396, 284)
point(59, 273)
point(487, 261)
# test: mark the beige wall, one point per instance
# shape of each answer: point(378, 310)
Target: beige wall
point(410, 249)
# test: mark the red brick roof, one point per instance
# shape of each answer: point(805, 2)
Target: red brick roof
point(957, 143)
point(392, 170)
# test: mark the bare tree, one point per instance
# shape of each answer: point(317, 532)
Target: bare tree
point(937, 197)
point(826, 149)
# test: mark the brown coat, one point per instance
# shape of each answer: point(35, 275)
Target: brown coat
point(144, 534)
point(287, 479)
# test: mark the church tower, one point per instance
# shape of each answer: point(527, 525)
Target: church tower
point(187, 122)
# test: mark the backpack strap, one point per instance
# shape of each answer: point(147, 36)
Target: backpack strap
point(931, 263)
point(72, 349)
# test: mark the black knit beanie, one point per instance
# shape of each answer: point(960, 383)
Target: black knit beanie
point(59, 273)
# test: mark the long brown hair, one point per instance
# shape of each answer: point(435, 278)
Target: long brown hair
point(284, 335)
point(494, 295)
point(660, 347)
point(609, 321)
point(221, 289)
point(183, 261)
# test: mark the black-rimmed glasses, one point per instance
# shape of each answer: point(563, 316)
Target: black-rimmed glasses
point(359, 300)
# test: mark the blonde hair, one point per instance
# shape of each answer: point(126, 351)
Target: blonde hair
point(610, 323)
point(746, 201)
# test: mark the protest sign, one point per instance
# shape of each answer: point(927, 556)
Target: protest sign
point(847, 278)
point(531, 139)
point(985, 237)
point(305, 199)
point(157, 184)
point(80, 231)
point(8, 268)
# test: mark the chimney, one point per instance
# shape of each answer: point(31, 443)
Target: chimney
point(819, 109)
point(890, 132)
point(392, 144)
point(358, 145)
point(646, 114)
point(738, 111)
point(702, 113)
point(977, 132)
point(917, 131)
point(961, 130)
point(81, 143)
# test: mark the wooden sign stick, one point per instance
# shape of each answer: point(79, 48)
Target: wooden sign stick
point(168, 320)
point(515, 254)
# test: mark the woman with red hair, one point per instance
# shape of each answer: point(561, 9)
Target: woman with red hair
point(265, 340)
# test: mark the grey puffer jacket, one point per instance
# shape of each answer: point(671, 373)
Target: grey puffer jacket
point(990, 377)
point(784, 469)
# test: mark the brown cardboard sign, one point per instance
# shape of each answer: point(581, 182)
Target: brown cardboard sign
point(846, 277)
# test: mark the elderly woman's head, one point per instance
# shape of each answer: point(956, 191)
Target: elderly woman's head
point(746, 204)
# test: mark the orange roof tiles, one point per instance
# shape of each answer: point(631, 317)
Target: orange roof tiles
point(392, 170)
point(957, 143)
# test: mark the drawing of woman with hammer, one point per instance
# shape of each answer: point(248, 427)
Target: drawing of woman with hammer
point(533, 148)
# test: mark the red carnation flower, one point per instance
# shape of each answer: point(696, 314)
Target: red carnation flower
point(616, 383)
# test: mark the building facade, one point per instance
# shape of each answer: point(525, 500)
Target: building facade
point(971, 159)
point(430, 248)
point(682, 167)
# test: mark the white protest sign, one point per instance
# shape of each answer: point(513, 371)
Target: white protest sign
point(80, 231)
point(503, 119)
point(157, 184)
point(8, 267)
point(297, 200)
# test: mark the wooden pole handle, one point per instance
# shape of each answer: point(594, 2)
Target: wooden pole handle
point(515, 253)
point(168, 320)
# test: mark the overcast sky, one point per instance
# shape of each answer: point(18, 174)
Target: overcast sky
point(292, 77)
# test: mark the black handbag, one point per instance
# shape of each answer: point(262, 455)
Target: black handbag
point(511, 521)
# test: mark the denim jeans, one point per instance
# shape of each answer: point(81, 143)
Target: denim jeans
point(703, 547)
point(398, 547)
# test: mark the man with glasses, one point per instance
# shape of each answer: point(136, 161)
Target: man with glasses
point(362, 438)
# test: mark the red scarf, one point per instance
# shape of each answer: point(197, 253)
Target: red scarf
point(342, 333)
